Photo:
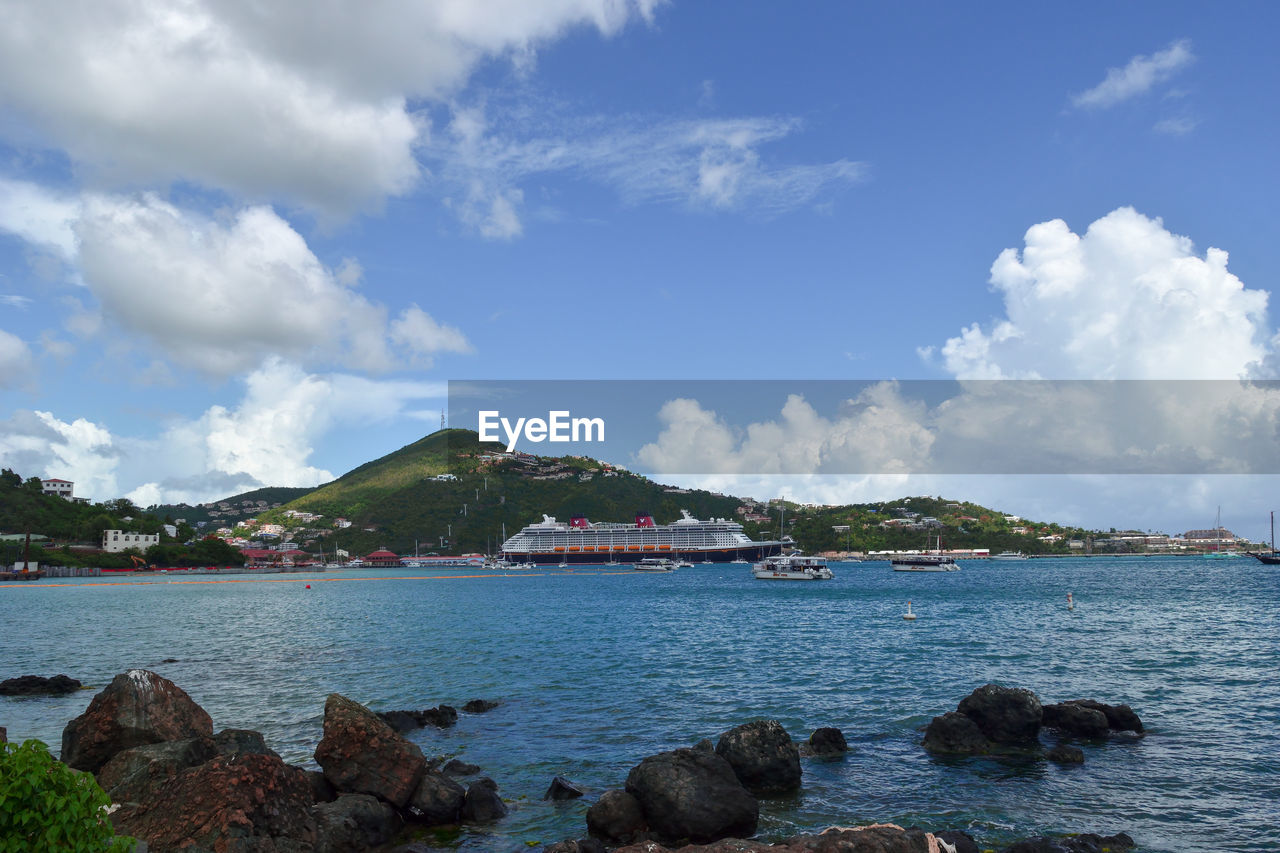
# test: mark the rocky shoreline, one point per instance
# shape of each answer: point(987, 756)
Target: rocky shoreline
point(176, 785)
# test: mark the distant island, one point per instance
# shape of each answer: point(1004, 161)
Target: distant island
point(450, 493)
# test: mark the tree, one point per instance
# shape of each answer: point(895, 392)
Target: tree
point(8, 479)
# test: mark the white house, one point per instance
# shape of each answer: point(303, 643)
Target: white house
point(59, 488)
point(114, 541)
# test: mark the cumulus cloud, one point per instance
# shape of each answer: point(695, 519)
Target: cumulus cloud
point(42, 218)
point(266, 100)
point(266, 438)
point(1126, 300)
point(1137, 77)
point(710, 164)
point(221, 294)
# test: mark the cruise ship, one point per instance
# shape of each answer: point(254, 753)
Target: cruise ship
point(581, 541)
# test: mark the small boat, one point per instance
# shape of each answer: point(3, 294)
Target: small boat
point(1008, 555)
point(682, 564)
point(929, 561)
point(654, 564)
point(1272, 558)
point(739, 562)
point(792, 567)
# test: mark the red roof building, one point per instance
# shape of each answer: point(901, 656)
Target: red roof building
point(382, 559)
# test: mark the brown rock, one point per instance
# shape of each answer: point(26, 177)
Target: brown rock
point(877, 838)
point(361, 754)
point(137, 708)
point(133, 774)
point(226, 805)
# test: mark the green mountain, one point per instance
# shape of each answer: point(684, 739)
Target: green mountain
point(450, 493)
point(232, 510)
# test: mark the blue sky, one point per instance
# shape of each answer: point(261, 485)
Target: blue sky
point(243, 246)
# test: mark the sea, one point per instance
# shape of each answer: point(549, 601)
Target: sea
point(596, 668)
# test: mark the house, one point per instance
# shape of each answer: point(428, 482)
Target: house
point(115, 541)
point(58, 488)
point(382, 559)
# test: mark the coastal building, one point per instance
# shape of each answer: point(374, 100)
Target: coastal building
point(115, 541)
point(58, 488)
point(382, 559)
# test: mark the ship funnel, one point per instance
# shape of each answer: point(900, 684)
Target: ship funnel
point(580, 522)
point(644, 519)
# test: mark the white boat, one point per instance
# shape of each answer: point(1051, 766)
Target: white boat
point(792, 567)
point(1008, 555)
point(654, 564)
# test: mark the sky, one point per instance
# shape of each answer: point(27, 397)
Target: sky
point(249, 244)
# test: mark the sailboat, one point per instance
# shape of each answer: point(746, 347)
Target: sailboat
point(1273, 558)
point(1218, 553)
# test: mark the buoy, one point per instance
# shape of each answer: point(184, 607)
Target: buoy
point(308, 586)
point(1071, 605)
point(909, 616)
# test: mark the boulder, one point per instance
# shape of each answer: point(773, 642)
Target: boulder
point(401, 721)
point(762, 756)
point(962, 841)
point(1005, 715)
point(479, 706)
point(436, 800)
point(1084, 843)
point(442, 716)
point(1063, 754)
point(954, 733)
point(1120, 718)
point(133, 774)
point(705, 745)
point(354, 822)
point(827, 742)
point(240, 803)
point(35, 685)
point(877, 838)
point(1076, 720)
point(361, 754)
point(138, 707)
point(460, 768)
point(616, 817)
point(482, 805)
point(321, 790)
point(690, 794)
point(562, 789)
point(242, 742)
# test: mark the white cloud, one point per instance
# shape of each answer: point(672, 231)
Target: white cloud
point(713, 164)
point(267, 100)
point(13, 300)
point(1175, 126)
point(1139, 76)
point(220, 295)
point(1127, 300)
point(15, 361)
point(265, 438)
point(42, 218)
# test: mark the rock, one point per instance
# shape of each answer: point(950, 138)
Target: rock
point(442, 716)
point(1063, 754)
point(360, 754)
point(460, 768)
point(1005, 715)
point(826, 742)
point(690, 794)
point(705, 745)
point(482, 805)
point(35, 685)
point(1076, 720)
point(137, 708)
point(954, 733)
point(479, 706)
point(134, 774)
point(437, 800)
point(577, 845)
point(170, 660)
point(562, 789)
point(401, 721)
point(1120, 718)
point(877, 838)
point(241, 803)
point(762, 756)
point(962, 841)
point(616, 817)
point(1083, 843)
point(321, 790)
point(242, 742)
point(354, 822)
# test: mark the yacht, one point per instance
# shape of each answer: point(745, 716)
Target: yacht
point(792, 567)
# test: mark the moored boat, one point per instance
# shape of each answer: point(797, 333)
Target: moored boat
point(928, 561)
point(654, 564)
point(1272, 558)
point(1008, 555)
point(792, 567)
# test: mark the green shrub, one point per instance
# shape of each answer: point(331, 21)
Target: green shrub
point(45, 805)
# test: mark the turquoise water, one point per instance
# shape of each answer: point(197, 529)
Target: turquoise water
point(596, 670)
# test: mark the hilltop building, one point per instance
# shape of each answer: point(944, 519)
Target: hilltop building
point(64, 489)
point(115, 541)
